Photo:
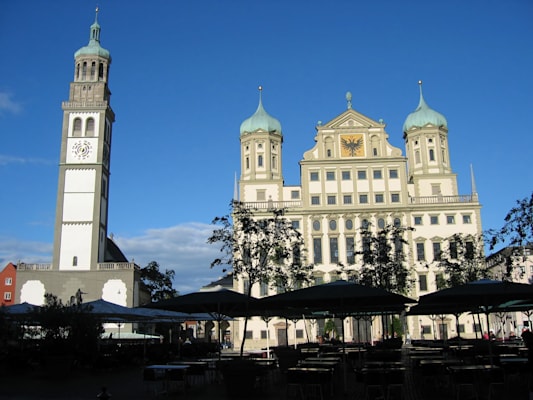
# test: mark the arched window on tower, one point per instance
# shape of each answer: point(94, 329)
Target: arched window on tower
point(75, 261)
point(93, 69)
point(89, 129)
point(431, 155)
point(247, 163)
point(84, 70)
point(260, 161)
point(77, 71)
point(274, 162)
point(417, 156)
point(101, 71)
point(76, 128)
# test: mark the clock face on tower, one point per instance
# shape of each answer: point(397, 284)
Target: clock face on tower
point(82, 150)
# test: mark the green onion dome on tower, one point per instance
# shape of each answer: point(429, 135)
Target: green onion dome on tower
point(424, 115)
point(260, 120)
point(94, 48)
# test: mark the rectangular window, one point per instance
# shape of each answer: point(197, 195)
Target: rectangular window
point(436, 251)
point(263, 334)
point(423, 283)
point(350, 253)
point(261, 195)
point(313, 176)
point(439, 281)
point(347, 199)
point(363, 198)
point(249, 335)
point(453, 250)
point(333, 250)
point(263, 289)
point(418, 220)
point(467, 219)
point(319, 280)
point(299, 333)
point(377, 174)
point(450, 219)
point(434, 219)
point(315, 200)
point(7, 295)
point(346, 175)
point(332, 200)
point(330, 175)
point(295, 224)
point(379, 198)
point(393, 173)
point(469, 250)
point(295, 194)
point(361, 175)
point(420, 256)
point(317, 250)
point(395, 197)
point(8, 281)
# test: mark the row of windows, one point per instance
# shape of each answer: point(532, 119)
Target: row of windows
point(84, 69)
point(347, 175)
point(348, 224)
point(347, 199)
point(261, 163)
point(435, 220)
point(437, 251)
point(77, 127)
point(250, 334)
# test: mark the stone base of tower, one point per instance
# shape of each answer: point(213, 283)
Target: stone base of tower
point(117, 283)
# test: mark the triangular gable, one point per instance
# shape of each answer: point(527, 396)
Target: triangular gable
point(351, 119)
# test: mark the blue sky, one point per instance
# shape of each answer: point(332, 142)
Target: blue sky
point(185, 75)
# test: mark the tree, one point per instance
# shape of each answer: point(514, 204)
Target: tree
point(462, 260)
point(69, 329)
point(158, 283)
point(265, 250)
point(517, 233)
point(383, 259)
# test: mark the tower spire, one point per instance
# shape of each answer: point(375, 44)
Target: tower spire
point(473, 181)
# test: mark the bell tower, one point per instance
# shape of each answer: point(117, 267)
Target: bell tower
point(83, 190)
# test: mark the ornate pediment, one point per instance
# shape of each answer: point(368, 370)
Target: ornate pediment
point(351, 119)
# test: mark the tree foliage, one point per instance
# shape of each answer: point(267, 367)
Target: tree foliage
point(158, 283)
point(68, 327)
point(261, 250)
point(462, 260)
point(517, 233)
point(383, 258)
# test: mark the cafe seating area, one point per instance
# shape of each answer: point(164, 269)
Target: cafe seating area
point(429, 370)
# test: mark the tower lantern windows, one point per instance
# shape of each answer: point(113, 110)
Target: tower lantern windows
point(84, 70)
point(89, 131)
point(76, 128)
point(93, 69)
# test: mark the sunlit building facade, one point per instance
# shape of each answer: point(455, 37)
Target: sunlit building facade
point(353, 177)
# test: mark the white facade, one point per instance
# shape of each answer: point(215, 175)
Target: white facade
point(353, 176)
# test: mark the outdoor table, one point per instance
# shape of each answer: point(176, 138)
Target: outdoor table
point(471, 377)
point(383, 364)
point(197, 371)
point(169, 375)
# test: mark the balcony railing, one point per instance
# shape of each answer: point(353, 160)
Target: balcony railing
point(271, 205)
point(34, 267)
point(462, 198)
point(85, 104)
point(114, 266)
point(109, 266)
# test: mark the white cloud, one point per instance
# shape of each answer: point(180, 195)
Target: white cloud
point(8, 104)
point(15, 250)
point(182, 248)
point(6, 159)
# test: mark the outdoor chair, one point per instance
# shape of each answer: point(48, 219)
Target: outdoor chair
point(395, 379)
